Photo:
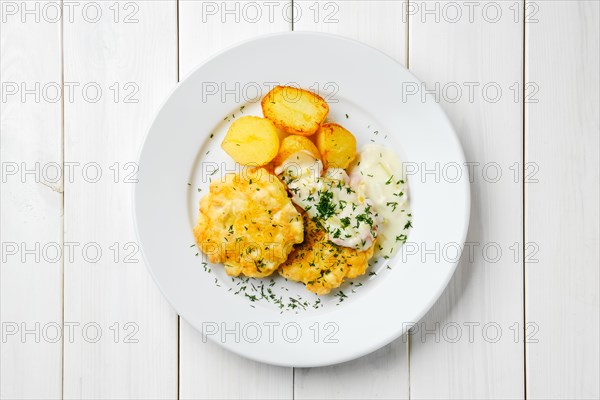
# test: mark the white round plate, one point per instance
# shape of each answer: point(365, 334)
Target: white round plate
point(275, 321)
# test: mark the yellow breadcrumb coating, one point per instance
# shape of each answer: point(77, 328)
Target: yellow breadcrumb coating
point(248, 223)
point(322, 265)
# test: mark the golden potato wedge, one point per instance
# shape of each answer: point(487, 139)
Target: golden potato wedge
point(297, 111)
point(282, 134)
point(251, 141)
point(336, 145)
point(293, 144)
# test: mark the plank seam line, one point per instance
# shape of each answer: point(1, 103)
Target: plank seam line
point(523, 234)
point(62, 208)
point(178, 317)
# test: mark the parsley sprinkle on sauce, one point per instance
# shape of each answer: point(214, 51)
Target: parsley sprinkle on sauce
point(378, 175)
point(347, 216)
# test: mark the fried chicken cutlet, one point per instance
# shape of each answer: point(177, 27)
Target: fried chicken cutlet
point(248, 223)
point(320, 264)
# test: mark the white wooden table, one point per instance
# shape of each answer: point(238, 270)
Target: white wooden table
point(520, 82)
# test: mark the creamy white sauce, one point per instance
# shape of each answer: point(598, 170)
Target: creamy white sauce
point(300, 163)
point(377, 174)
point(347, 215)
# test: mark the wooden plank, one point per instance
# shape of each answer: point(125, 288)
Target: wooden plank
point(207, 27)
point(206, 369)
point(30, 204)
point(130, 54)
point(465, 346)
point(562, 130)
point(384, 373)
point(379, 23)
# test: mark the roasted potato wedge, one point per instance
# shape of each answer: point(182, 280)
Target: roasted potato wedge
point(282, 134)
point(336, 145)
point(252, 141)
point(293, 144)
point(296, 111)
